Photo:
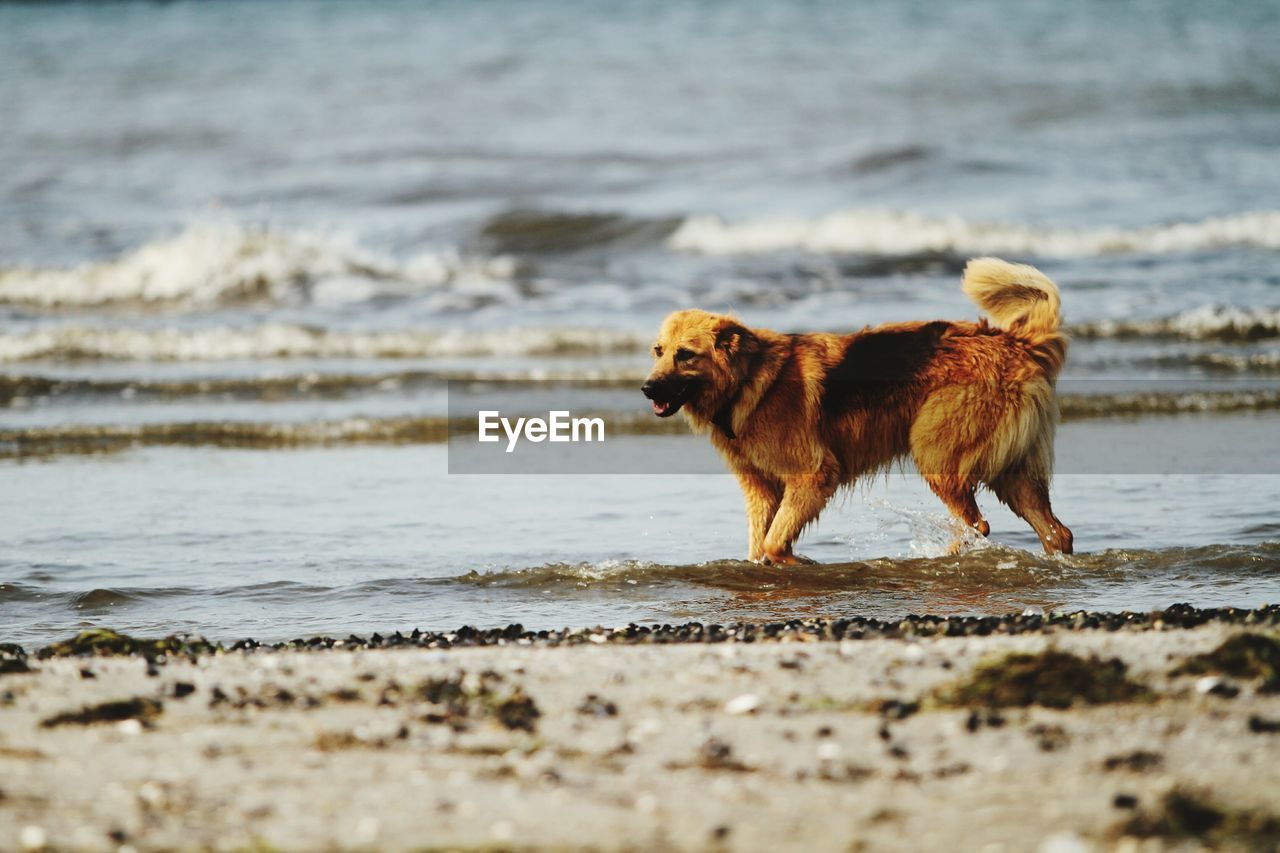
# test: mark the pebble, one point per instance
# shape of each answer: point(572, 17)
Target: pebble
point(33, 838)
point(744, 704)
point(844, 630)
point(1065, 842)
point(829, 751)
point(1213, 685)
point(366, 830)
point(151, 794)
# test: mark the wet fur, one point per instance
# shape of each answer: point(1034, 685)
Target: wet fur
point(797, 416)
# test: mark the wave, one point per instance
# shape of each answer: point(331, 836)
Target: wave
point(537, 232)
point(217, 264)
point(47, 441)
point(992, 564)
point(284, 340)
point(1081, 406)
point(1208, 322)
point(298, 386)
point(896, 233)
point(1265, 363)
point(77, 438)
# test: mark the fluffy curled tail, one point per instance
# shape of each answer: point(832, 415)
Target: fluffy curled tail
point(1022, 300)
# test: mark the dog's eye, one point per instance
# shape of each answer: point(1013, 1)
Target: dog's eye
point(657, 352)
point(683, 354)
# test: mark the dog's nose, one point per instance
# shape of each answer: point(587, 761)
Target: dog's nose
point(649, 388)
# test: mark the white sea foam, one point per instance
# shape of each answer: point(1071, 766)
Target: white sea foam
point(279, 340)
point(209, 264)
point(891, 233)
point(1208, 322)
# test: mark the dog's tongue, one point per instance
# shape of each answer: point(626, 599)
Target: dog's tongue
point(660, 408)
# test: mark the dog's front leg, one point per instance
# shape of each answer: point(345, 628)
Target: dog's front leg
point(762, 496)
point(802, 500)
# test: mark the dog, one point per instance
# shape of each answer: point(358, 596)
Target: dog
point(797, 416)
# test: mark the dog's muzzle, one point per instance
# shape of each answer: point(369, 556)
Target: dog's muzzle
point(667, 395)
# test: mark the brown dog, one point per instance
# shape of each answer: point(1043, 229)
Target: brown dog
point(798, 416)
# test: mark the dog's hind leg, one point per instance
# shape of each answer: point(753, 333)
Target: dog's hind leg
point(803, 498)
point(762, 496)
point(958, 497)
point(1028, 496)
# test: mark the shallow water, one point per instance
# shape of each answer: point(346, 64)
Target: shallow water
point(291, 226)
point(283, 543)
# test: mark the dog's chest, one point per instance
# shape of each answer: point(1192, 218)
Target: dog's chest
point(776, 452)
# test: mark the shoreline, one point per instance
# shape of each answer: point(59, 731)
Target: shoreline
point(107, 642)
point(1066, 732)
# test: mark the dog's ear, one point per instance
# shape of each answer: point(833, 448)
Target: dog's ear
point(734, 338)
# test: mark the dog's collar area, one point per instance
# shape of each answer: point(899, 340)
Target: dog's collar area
point(724, 419)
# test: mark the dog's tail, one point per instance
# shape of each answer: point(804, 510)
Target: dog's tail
point(1023, 301)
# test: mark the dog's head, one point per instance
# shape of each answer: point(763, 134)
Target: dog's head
point(695, 362)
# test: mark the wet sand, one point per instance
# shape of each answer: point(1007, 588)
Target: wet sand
point(769, 737)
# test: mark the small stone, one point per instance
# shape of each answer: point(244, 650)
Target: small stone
point(1211, 685)
point(151, 794)
point(33, 838)
point(829, 751)
point(366, 830)
point(1064, 842)
point(1261, 726)
point(744, 704)
point(1125, 801)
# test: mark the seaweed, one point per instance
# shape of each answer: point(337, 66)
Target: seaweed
point(103, 642)
point(1183, 815)
point(597, 706)
point(1052, 679)
point(517, 711)
point(138, 708)
point(14, 666)
point(1247, 655)
point(1262, 726)
point(463, 696)
point(715, 754)
point(1138, 761)
point(335, 741)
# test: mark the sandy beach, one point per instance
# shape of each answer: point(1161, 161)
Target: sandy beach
point(1109, 737)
